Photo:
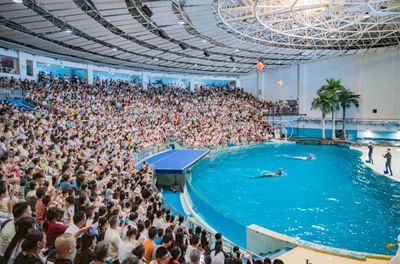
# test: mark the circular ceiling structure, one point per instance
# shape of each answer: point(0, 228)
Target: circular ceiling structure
point(212, 37)
point(314, 24)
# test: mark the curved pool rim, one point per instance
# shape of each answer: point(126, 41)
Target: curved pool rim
point(191, 193)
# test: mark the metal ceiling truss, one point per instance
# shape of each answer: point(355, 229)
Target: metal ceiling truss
point(314, 24)
point(17, 27)
point(86, 7)
point(134, 7)
point(64, 26)
point(178, 8)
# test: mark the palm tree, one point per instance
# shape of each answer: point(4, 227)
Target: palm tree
point(333, 89)
point(323, 103)
point(347, 99)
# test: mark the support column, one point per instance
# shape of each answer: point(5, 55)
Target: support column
point(260, 85)
point(89, 76)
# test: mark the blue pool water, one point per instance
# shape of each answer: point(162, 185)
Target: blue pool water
point(334, 200)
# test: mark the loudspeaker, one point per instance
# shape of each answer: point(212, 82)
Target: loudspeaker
point(232, 58)
point(162, 34)
point(206, 53)
point(183, 46)
point(147, 10)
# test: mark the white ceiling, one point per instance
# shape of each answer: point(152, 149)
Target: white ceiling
point(119, 33)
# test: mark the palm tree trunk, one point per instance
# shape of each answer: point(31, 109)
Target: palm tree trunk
point(333, 125)
point(323, 126)
point(344, 118)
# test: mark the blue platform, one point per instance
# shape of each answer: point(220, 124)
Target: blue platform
point(175, 161)
point(21, 103)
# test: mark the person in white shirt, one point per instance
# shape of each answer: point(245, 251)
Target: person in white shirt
point(128, 244)
point(217, 254)
point(112, 236)
point(132, 219)
point(158, 221)
point(79, 221)
point(194, 244)
point(3, 147)
point(19, 211)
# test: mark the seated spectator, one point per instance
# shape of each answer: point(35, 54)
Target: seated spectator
point(32, 247)
point(195, 256)
point(112, 236)
point(101, 252)
point(85, 254)
point(127, 245)
point(130, 260)
point(194, 245)
point(175, 255)
point(79, 221)
point(149, 244)
point(161, 256)
point(139, 252)
point(217, 254)
point(167, 240)
point(22, 228)
point(65, 245)
point(52, 227)
point(7, 233)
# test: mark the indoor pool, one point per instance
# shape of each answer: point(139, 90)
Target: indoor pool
point(334, 200)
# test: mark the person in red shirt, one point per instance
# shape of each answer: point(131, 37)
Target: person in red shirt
point(52, 227)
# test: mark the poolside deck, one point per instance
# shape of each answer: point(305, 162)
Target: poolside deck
point(305, 255)
point(379, 161)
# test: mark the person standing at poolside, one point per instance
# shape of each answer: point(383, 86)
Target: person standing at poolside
point(370, 152)
point(388, 164)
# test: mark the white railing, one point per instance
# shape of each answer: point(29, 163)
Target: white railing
point(8, 93)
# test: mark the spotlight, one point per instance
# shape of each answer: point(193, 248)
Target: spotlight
point(183, 46)
point(366, 15)
point(162, 34)
point(204, 40)
point(232, 59)
point(147, 10)
point(206, 54)
point(181, 22)
point(69, 31)
point(114, 49)
point(236, 50)
point(18, 1)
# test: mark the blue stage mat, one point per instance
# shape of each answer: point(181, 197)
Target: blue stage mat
point(175, 161)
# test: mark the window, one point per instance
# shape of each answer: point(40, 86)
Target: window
point(8, 65)
point(29, 67)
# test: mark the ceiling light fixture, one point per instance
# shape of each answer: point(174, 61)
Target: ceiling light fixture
point(181, 22)
point(18, 1)
point(204, 40)
point(114, 49)
point(69, 31)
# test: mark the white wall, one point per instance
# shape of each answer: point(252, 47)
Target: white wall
point(375, 76)
point(249, 82)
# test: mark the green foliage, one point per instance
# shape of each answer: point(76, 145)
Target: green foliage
point(348, 98)
point(323, 103)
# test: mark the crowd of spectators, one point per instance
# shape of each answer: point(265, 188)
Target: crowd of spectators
point(70, 192)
